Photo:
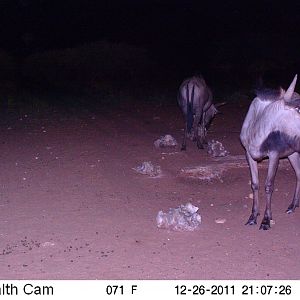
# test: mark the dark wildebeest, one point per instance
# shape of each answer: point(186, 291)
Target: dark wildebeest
point(195, 101)
point(272, 129)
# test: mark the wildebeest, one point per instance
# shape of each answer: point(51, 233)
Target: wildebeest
point(272, 129)
point(195, 101)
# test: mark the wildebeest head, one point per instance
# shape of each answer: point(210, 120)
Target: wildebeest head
point(211, 112)
point(209, 115)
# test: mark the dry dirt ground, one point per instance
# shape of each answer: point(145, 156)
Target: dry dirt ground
point(72, 207)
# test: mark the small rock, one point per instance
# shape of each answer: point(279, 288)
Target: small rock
point(216, 149)
point(147, 168)
point(183, 218)
point(220, 221)
point(165, 141)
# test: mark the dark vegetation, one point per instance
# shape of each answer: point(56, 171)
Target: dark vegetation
point(94, 74)
point(105, 74)
point(49, 54)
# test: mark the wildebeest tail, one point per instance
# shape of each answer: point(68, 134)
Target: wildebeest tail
point(190, 102)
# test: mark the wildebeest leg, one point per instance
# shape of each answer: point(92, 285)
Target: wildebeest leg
point(255, 186)
point(197, 127)
point(202, 130)
point(183, 146)
point(199, 133)
point(295, 162)
point(269, 187)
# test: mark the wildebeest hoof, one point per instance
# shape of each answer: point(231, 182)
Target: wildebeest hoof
point(265, 225)
point(291, 208)
point(251, 221)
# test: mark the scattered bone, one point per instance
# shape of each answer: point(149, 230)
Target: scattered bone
point(147, 168)
point(212, 171)
point(216, 149)
point(183, 218)
point(241, 162)
point(220, 221)
point(219, 165)
point(170, 153)
point(165, 141)
point(234, 158)
point(202, 172)
point(47, 244)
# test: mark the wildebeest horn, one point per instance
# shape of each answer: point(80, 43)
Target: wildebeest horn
point(220, 104)
point(289, 93)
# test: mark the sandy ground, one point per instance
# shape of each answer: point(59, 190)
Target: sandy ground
point(72, 207)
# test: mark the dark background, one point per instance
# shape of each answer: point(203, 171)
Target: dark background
point(100, 45)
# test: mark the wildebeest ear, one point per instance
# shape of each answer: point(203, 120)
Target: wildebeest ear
point(294, 104)
point(289, 93)
point(282, 92)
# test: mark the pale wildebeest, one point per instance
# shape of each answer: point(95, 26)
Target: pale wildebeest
point(272, 129)
point(195, 101)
